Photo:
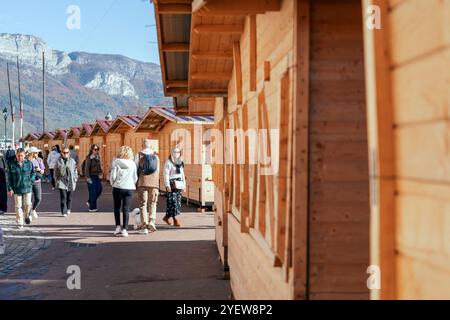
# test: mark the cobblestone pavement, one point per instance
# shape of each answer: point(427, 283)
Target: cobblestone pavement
point(21, 245)
point(171, 263)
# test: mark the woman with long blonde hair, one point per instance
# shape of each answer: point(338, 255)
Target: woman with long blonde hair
point(123, 180)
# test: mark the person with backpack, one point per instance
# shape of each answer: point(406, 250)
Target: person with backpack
point(66, 175)
point(92, 170)
point(21, 176)
point(123, 180)
point(175, 183)
point(52, 160)
point(147, 186)
point(3, 187)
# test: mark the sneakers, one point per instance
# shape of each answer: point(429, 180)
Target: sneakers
point(87, 203)
point(143, 231)
point(34, 214)
point(166, 220)
point(65, 215)
point(93, 210)
point(124, 233)
point(69, 212)
point(53, 189)
point(28, 220)
point(118, 230)
point(152, 226)
point(20, 226)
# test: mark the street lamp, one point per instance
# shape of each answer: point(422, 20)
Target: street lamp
point(5, 116)
point(108, 116)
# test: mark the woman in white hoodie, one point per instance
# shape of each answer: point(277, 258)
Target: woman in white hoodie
point(123, 180)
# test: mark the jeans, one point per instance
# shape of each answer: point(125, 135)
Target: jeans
point(148, 197)
point(122, 199)
point(95, 190)
point(52, 176)
point(66, 200)
point(22, 203)
point(37, 194)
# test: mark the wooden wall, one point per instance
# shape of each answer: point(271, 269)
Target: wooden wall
point(408, 94)
point(304, 228)
point(338, 157)
point(113, 142)
point(134, 140)
point(257, 245)
point(85, 145)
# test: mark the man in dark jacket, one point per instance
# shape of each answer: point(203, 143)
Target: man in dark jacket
point(20, 184)
point(3, 187)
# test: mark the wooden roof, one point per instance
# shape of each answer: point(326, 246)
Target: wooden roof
point(61, 134)
point(74, 133)
point(197, 40)
point(102, 127)
point(32, 136)
point(86, 129)
point(50, 135)
point(125, 123)
point(157, 117)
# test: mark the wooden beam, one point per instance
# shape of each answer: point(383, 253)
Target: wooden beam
point(209, 91)
point(381, 142)
point(218, 76)
point(253, 53)
point(175, 47)
point(300, 150)
point(238, 71)
point(219, 28)
point(176, 83)
point(211, 55)
point(234, 7)
point(174, 9)
point(177, 91)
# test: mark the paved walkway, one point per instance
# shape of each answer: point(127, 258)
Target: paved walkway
point(172, 263)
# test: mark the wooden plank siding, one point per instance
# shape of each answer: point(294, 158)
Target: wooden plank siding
point(412, 171)
point(305, 227)
point(338, 157)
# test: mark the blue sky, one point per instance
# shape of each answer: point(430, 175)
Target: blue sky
point(107, 26)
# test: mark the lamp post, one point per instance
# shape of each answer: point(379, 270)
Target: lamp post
point(5, 116)
point(108, 116)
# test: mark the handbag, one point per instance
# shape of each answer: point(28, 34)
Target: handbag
point(177, 185)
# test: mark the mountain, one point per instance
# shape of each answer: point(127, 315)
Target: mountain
point(80, 87)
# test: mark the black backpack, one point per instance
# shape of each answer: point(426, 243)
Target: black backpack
point(149, 164)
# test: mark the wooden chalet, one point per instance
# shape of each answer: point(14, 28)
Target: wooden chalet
point(187, 132)
point(358, 93)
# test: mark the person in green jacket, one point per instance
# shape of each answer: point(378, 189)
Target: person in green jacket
point(21, 176)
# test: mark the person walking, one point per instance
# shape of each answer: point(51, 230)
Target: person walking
point(175, 183)
point(73, 153)
point(66, 176)
point(3, 186)
point(52, 159)
point(39, 169)
point(21, 176)
point(123, 179)
point(147, 163)
point(93, 171)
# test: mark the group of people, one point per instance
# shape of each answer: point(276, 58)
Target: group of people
point(23, 175)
